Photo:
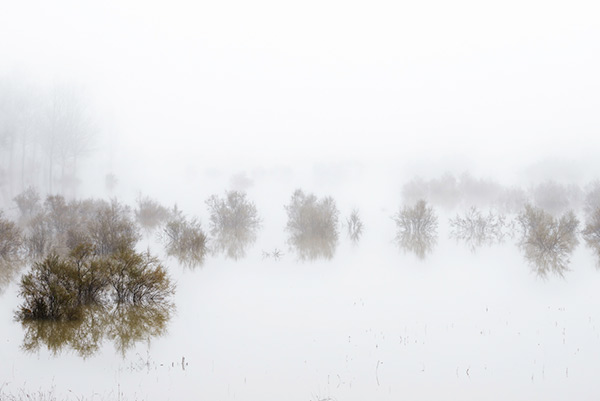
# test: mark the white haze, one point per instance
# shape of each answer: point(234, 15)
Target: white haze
point(348, 99)
point(190, 84)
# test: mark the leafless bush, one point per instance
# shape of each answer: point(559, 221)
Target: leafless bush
point(184, 239)
point(11, 240)
point(591, 201)
point(547, 241)
point(28, 203)
point(38, 236)
point(476, 229)
point(416, 228)
point(150, 214)
point(312, 226)
point(11, 251)
point(591, 233)
point(137, 279)
point(234, 222)
point(112, 228)
point(354, 226)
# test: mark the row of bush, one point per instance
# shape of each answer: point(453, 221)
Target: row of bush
point(58, 226)
point(547, 241)
point(450, 191)
point(80, 236)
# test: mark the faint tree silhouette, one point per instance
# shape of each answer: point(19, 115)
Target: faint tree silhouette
point(591, 233)
point(591, 201)
point(476, 229)
point(234, 223)
point(28, 203)
point(555, 198)
point(354, 226)
point(112, 228)
point(416, 228)
point(11, 251)
point(150, 214)
point(312, 226)
point(184, 239)
point(547, 241)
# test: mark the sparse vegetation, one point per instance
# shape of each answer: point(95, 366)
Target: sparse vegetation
point(416, 228)
point(591, 201)
point(11, 240)
point(312, 225)
point(547, 241)
point(234, 222)
point(50, 291)
point(112, 228)
point(150, 214)
point(477, 229)
point(591, 233)
point(184, 239)
point(28, 203)
point(11, 251)
point(354, 226)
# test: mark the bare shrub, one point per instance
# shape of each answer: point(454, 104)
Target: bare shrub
point(11, 240)
point(416, 228)
point(354, 226)
point(50, 291)
point(11, 251)
point(591, 201)
point(312, 226)
point(477, 229)
point(547, 241)
point(234, 222)
point(591, 233)
point(112, 228)
point(137, 279)
point(150, 214)
point(57, 288)
point(28, 203)
point(38, 236)
point(184, 239)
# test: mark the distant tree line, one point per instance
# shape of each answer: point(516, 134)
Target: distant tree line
point(450, 191)
point(44, 134)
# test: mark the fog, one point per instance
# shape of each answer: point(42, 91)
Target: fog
point(353, 200)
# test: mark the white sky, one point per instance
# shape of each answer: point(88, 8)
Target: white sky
point(208, 82)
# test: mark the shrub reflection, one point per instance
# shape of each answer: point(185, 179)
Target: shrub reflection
point(476, 229)
point(416, 229)
point(234, 222)
point(312, 226)
point(124, 326)
point(547, 241)
point(184, 239)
